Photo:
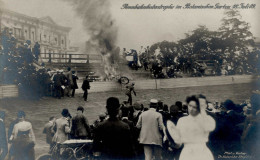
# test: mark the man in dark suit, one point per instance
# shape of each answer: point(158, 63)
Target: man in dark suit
point(113, 137)
point(74, 84)
point(85, 87)
point(57, 84)
point(80, 127)
point(3, 141)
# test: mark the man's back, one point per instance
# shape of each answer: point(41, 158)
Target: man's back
point(85, 85)
point(80, 127)
point(151, 125)
point(48, 131)
point(114, 139)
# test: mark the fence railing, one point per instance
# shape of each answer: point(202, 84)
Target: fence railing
point(70, 58)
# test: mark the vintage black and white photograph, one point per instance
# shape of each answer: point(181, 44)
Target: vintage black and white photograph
point(129, 79)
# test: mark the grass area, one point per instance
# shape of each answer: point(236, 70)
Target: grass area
point(38, 112)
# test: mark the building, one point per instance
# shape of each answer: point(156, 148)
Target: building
point(52, 37)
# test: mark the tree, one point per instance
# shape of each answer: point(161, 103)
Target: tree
point(235, 34)
point(168, 52)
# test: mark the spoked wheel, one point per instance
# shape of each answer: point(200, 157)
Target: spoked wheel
point(80, 153)
point(45, 157)
point(68, 154)
point(124, 80)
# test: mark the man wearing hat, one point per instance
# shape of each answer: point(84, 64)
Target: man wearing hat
point(151, 124)
point(113, 137)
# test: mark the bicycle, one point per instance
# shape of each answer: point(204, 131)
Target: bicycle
point(70, 150)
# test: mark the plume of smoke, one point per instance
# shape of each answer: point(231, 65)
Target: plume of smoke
point(98, 22)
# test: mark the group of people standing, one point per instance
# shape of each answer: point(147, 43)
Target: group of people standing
point(130, 132)
point(195, 130)
point(65, 84)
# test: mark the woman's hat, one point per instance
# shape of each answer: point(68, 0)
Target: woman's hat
point(65, 113)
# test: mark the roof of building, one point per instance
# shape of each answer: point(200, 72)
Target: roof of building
point(46, 19)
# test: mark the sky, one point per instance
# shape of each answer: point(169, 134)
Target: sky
point(142, 27)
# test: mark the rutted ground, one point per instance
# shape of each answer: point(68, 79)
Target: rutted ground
point(38, 112)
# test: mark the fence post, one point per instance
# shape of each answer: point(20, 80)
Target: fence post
point(49, 57)
point(69, 58)
point(87, 58)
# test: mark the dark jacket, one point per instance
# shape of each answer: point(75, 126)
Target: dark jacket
point(3, 141)
point(57, 80)
point(74, 80)
point(85, 85)
point(80, 127)
point(48, 131)
point(113, 138)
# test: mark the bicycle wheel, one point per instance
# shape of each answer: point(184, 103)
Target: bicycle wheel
point(45, 157)
point(124, 80)
point(80, 153)
point(67, 154)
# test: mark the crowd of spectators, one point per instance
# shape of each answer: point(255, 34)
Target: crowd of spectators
point(19, 64)
point(141, 132)
point(195, 65)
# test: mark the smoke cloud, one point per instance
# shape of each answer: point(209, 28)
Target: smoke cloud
point(99, 24)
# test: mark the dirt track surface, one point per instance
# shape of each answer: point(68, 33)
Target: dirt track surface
point(38, 112)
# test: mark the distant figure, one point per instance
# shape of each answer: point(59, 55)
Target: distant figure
point(151, 124)
point(69, 83)
point(113, 137)
point(57, 84)
point(128, 93)
point(36, 51)
point(3, 141)
point(23, 139)
point(74, 84)
point(48, 131)
point(85, 86)
point(80, 127)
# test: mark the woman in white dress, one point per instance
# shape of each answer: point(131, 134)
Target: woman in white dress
point(193, 131)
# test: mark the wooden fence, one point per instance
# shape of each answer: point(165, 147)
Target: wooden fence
point(7, 91)
point(12, 90)
point(70, 58)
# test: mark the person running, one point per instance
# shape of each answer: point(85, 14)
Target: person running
point(128, 93)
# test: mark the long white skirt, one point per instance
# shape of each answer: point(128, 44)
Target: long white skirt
point(196, 151)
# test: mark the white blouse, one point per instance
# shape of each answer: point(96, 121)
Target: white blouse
point(23, 126)
point(195, 129)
